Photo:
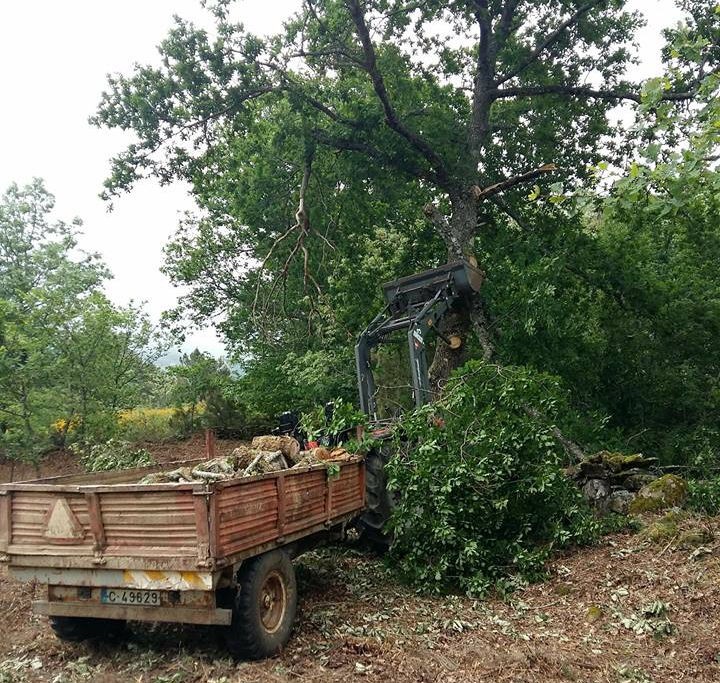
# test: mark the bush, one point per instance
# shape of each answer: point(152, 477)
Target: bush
point(146, 424)
point(704, 496)
point(111, 455)
point(482, 496)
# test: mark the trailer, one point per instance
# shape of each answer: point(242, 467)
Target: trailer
point(110, 550)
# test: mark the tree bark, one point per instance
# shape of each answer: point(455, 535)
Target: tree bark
point(459, 234)
point(446, 359)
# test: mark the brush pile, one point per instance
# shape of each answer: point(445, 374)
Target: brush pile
point(265, 454)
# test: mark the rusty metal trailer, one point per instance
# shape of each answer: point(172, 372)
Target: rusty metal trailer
point(110, 550)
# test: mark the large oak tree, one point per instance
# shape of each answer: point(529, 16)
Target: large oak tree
point(368, 138)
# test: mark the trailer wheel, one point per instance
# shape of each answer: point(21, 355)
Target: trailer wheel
point(378, 500)
point(264, 607)
point(77, 629)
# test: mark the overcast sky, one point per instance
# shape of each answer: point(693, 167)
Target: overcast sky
point(54, 57)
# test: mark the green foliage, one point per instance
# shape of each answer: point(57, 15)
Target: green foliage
point(68, 356)
point(257, 115)
point(345, 417)
point(604, 275)
point(202, 393)
point(704, 496)
point(482, 497)
point(363, 445)
point(111, 455)
point(146, 425)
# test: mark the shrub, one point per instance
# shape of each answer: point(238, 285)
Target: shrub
point(704, 496)
point(111, 455)
point(318, 425)
point(146, 424)
point(482, 496)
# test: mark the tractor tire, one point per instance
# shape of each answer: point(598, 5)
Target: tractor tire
point(77, 629)
point(378, 501)
point(264, 607)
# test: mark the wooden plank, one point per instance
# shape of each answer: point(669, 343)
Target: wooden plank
point(363, 485)
point(281, 502)
point(329, 497)
point(96, 522)
point(5, 520)
point(209, 444)
point(213, 525)
point(202, 528)
point(154, 558)
point(184, 527)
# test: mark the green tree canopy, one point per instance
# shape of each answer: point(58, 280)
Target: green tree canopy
point(371, 139)
point(67, 355)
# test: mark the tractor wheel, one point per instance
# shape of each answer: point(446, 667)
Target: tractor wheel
point(77, 629)
point(264, 607)
point(379, 501)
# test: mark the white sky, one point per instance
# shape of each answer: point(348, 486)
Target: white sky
point(54, 57)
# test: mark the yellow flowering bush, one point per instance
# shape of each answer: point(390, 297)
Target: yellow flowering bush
point(65, 426)
point(149, 424)
point(145, 424)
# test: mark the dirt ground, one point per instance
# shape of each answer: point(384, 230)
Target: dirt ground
point(58, 463)
point(626, 611)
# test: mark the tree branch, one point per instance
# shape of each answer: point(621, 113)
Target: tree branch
point(302, 225)
point(443, 227)
point(572, 91)
point(502, 186)
point(545, 44)
point(391, 117)
point(483, 83)
point(345, 144)
point(505, 25)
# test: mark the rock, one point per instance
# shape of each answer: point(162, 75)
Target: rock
point(596, 490)
point(592, 470)
point(594, 613)
point(678, 528)
point(665, 492)
point(619, 502)
point(617, 462)
point(663, 530)
point(694, 538)
point(636, 480)
point(572, 472)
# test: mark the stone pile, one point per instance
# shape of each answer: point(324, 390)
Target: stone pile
point(612, 481)
point(265, 454)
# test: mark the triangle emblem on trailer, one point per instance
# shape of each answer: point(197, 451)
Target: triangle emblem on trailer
point(61, 524)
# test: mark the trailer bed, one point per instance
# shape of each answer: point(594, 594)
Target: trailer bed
point(185, 531)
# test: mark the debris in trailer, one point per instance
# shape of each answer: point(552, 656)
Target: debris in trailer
point(266, 454)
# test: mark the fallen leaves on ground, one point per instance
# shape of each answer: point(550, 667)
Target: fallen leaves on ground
point(627, 611)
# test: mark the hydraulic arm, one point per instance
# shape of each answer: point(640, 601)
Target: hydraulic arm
point(417, 304)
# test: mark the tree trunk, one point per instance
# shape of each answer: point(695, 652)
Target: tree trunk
point(455, 326)
point(459, 234)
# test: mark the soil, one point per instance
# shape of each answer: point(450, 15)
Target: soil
point(60, 462)
point(629, 610)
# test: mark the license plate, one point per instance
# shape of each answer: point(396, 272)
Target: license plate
point(122, 596)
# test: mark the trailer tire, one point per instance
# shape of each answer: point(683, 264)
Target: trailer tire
point(264, 607)
point(379, 502)
point(77, 629)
